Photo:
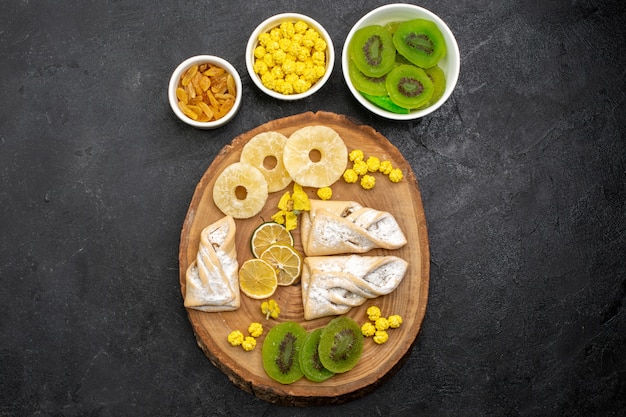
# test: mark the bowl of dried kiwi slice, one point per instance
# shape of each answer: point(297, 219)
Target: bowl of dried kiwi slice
point(401, 61)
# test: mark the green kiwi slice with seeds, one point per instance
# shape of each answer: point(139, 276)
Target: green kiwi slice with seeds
point(281, 352)
point(310, 359)
point(420, 41)
point(372, 50)
point(438, 77)
point(370, 85)
point(341, 344)
point(409, 86)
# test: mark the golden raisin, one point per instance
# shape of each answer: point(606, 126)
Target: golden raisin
point(181, 95)
point(206, 109)
point(205, 83)
point(188, 112)
point(189, 74)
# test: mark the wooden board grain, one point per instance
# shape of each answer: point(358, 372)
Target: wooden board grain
point(378, 362)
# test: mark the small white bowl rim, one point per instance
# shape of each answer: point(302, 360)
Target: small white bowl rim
point(272, 22)
point(199, 59)
point(405, 10)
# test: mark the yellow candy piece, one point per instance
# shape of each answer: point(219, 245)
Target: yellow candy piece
point(368, 182)
point(373, 313)
point(385, 167)
point(255, 329)
point(325, 193)
point(235, 338)
point(373, 164)
point(395, 321)
point(368, 329)
point(395, 175)
point(381, 323)
point(249, 343)
point(356, 155)
point(381, 337)
point(350, 176)
point(360, 167)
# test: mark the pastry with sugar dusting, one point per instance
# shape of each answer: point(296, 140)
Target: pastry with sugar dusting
point(332, 285)
point(212, 279)
point(343, 227)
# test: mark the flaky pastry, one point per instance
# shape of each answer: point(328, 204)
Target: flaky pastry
point(342, 227)
point(333, 285)
point(212, 280)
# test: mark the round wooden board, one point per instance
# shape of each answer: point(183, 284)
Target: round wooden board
point(378, 362)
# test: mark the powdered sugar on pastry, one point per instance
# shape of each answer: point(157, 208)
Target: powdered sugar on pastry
point(341, 227)
point(212, 281)
point(333, 285)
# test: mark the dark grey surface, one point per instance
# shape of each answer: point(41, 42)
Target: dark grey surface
point(522, 174)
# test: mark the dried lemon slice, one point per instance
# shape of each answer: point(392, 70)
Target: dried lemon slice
point(265, 152)
point(286, 261)
point(268, 234)
point(240, 191)
point(315, 156)
point(257, 279)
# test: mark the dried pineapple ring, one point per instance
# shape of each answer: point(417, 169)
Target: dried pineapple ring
point(265, 152)
point(240, 191)
point(315, 141)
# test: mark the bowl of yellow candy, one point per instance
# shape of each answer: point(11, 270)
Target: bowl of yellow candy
point(290, 56)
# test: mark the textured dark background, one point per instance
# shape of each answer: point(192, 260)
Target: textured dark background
point(522, 174)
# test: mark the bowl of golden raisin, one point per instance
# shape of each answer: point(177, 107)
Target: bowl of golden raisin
point(290, 56)
point(205, 91)
point(401, 61)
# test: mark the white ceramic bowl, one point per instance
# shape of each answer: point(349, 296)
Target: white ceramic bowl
point(450, 63)
point(174, 80)
point(273, 22)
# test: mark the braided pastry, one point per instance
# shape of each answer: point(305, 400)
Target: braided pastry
point(340, 227)
point(212, 280)
point(332, 285)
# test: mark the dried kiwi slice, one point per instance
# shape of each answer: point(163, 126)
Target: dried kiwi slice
point(372, 50)
point(341, 344)
point(310, 358)
point(392, 26)
point(401, 60)
point(281, 352)
point(385, 103)
point(370, 85)
point(420, 41)
point(438, 77)
point(409, 86)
